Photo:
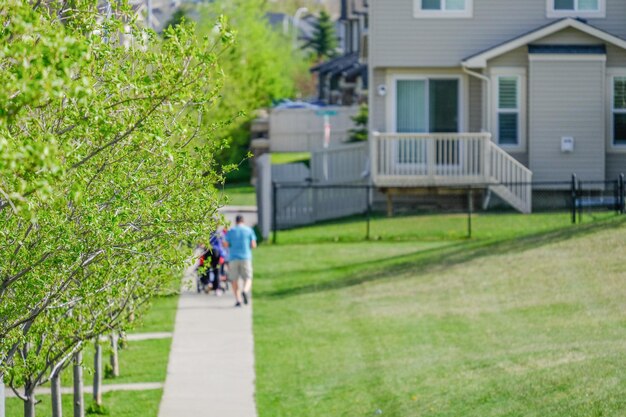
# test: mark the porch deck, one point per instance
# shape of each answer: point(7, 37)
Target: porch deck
point(416, 160)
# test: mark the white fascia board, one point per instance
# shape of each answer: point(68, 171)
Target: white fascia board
point(480, 60)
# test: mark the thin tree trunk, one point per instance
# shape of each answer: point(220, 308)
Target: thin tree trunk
point(79, 402)
point(55, 391)
point(97, 375)
point(2, 414)
point(115, 364)
point(29, 404)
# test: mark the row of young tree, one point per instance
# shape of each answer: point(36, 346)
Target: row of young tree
point(111, 143)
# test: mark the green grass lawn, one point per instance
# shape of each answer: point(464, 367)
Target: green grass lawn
point(448, 227)
point(140, 361)
point(290, 157)
point(119, 404)
point(159, 317)
point(238, 195)
point(526, 319)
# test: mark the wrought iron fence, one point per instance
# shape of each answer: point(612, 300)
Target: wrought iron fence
point(307, 203)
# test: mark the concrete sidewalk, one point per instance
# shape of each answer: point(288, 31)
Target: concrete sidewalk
point(211, 366)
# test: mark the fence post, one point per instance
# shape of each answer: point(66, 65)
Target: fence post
point(580, 206)
point(574, 200)
point(622, 193)
point(470, 203)
point(616, 194)
point(274, 211)
point(368, 211)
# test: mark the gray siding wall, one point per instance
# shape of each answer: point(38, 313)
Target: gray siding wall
point(615, 57)
point(397, 39)
point(567, 99)
point(615, 165)
point(516, 58)
point(377, 103)
point(521, 157)
point(475, 104)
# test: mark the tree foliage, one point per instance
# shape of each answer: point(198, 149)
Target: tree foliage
point(324, 41)
point(260, 67)
point(360, 131)
point(102, 173)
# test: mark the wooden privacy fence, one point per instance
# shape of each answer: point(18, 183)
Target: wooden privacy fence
point(289, 195)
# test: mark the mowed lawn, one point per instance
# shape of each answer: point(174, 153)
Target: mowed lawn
point(528, 319)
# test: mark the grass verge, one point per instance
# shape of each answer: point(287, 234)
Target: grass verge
point(118, 404)
point(140, 361)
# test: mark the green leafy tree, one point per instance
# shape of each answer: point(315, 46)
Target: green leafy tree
point(260, 67)
point(360, 132)
point(101, 170)
point(324, 41)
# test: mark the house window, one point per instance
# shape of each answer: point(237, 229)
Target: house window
point(443, 8)
point(576, 5)
point(508, 110)
point(619, 111)
point(427, 106)
point(574, 8)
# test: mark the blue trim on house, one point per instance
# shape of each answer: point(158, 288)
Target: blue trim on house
point(568, 49)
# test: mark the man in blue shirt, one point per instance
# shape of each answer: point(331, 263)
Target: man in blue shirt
point(240, 241)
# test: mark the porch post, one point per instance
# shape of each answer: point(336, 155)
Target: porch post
point(487, 157)
point(374, 156)
point(431, 159)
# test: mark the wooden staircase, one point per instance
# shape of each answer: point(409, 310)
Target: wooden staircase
point(511, 180)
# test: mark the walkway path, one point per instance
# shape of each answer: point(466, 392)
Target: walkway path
point(211, 365)
point(87, 389)
point(137, 337)
point(249, 214)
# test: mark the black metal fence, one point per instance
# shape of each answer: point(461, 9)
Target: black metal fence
point(300, 204)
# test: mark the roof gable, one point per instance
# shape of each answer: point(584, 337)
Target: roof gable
point(480, 60)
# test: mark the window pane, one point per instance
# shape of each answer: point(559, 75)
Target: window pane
point(444, 106)
point(588, 5)
point(619, 129)
point(455, 5)
point(411, 106)
point(619, 96)
point(431, 4)
point(507, 128)
point(563, 4)
point(507, 92)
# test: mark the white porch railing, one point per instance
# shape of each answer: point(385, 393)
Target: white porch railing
point(449, 159)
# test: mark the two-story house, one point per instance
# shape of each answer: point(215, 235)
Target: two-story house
point(343, 79)
point(496, 92)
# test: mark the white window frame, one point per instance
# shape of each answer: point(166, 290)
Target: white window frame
point(418, 12)
point(612, 74)
point(552, 12)
point(520, 74)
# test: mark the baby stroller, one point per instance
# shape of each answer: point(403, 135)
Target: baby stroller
point(209, 271)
